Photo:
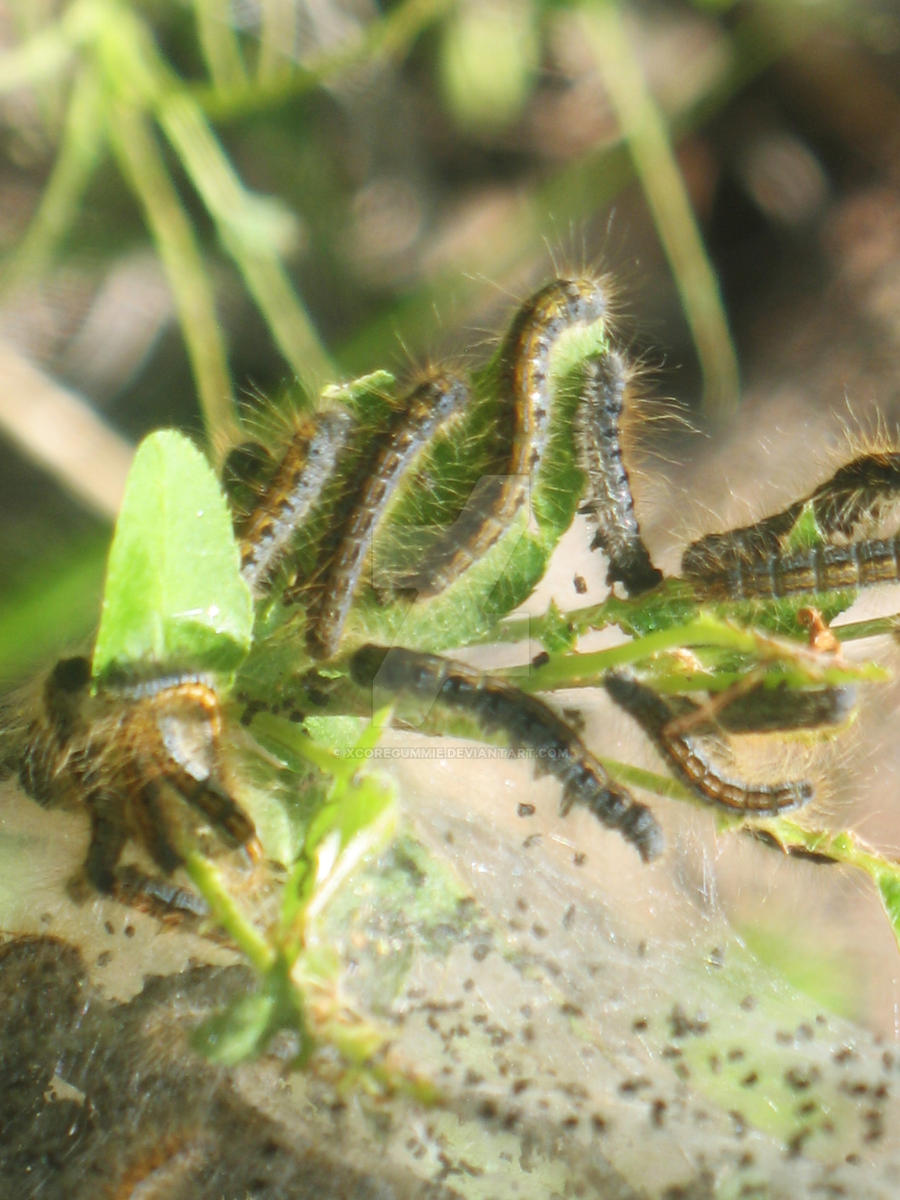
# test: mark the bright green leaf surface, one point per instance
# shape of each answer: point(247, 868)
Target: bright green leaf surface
point(888, 881)
point(806, 532)
point(235, 1034)
point(174, 594)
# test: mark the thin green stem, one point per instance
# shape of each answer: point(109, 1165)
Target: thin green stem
point(227, 913)
point(583, 670)
point(648, 140)
point(250, 228)
point(797, 664)
point(284, 737)
point(388, 38)
point(80, 148)
point(649, 781)
point(672, 604)
point(277, 40)
point(855, 631)
point(141, 163)
point(220, 46)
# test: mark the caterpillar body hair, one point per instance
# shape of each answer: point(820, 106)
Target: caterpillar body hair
point(142, 756)
point(715, 553)
point(856, 491)
point(851, 496)
point(285, 502)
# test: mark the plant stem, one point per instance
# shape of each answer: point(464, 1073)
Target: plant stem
point(645, 130)
point(226, 912)
point(247, 228)
point(141, 163)
point(387, 38)
point(221, 48)
point(80, 148)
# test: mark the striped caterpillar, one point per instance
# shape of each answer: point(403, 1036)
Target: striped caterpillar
point(609, 504)
point(751, 561)
point(266, 533)
point(321, 447)
point(530, 386)
point(528, 398)
point(540, 425)
point(684, 754)
point(828, 568)
point(426, 412)
point(527, 722)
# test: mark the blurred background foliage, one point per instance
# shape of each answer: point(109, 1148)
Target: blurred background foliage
point(202, 200)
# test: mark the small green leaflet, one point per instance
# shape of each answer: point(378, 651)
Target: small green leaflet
point(174, 594)
point(888, 882)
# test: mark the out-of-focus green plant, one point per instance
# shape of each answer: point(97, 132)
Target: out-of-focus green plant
point(153, 93)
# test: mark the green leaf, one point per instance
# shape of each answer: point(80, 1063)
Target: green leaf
point(241, 1030)
point(246, 1026)
point(353, 814)
point(888, 883)
point(506, 573)
point(557, 631)
point(358, 393)
point(174, 594)
point(805, 533)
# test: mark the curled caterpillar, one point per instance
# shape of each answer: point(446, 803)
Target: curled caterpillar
point(655, 716)
point(145, 757)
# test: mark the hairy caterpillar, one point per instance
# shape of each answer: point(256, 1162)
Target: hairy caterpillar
point(821, 569)
point(552, 313)
point(655, 716)
point(144, 757)
point(287, 499)
point(528, 723)
point(840, 504)
point(609, 504)
point(781, 709)
point(425, 413)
